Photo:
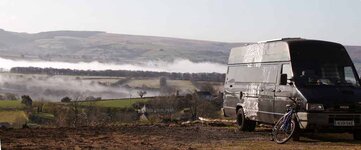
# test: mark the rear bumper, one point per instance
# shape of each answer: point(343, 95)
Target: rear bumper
point(326, 121)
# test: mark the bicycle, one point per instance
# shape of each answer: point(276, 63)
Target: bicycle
point(285, 127)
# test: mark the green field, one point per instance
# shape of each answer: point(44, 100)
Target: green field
point(11, 104)
point(121, 103)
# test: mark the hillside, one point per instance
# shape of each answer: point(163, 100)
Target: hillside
point(75, 46)
point(355, 53)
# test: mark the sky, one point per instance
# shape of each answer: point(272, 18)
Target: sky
point(215, 20)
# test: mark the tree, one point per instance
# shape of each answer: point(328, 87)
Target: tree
point(65, 99)
point(208, 88)
point(163, 82)
point(141, 93)
point(75, 112)
point(25, 99)
point(90, 98)
point(163, 86)
point(10, 96)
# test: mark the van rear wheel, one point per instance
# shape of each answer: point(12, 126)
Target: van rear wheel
point(244, 124)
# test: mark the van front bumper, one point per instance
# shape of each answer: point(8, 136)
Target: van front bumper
point(330, 121)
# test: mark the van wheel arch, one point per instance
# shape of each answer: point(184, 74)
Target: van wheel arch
point(243, 123)
point(238, 107)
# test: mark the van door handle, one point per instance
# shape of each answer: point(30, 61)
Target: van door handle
point(279, 90)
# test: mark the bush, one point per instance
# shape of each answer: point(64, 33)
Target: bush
point(65, 99)
point(25, 99)
point(163, 107)
point(138, 105)
point(92, 98)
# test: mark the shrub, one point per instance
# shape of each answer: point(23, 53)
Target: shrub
point(25, 99)
point(65, 99)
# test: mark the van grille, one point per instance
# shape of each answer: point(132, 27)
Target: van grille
point(332, 118)
point(345, 108)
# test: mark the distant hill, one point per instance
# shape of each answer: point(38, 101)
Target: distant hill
point(75, 46)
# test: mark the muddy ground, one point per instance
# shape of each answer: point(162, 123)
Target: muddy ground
point(168, 136)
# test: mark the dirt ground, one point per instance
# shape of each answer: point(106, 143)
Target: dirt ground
point(168, 136)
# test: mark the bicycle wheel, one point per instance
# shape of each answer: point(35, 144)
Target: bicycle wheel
point(283, 130)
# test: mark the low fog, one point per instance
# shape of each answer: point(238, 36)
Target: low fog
point(179, 65)
point(53, 88)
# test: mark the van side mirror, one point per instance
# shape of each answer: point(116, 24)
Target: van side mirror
point(283, 79)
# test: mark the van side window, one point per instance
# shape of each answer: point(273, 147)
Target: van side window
point(286, 69)
point(253, 73)
point(349, 76)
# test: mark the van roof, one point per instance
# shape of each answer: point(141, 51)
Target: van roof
point(269, 51)
point(283, 39)
point(294, 40)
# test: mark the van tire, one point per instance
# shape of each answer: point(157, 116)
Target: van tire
point(357, 135)
point(243, 123)
point(297, 133)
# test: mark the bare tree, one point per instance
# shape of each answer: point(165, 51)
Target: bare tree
point(93, 114)
point(164, 88)
point(10, 96)
point(141, 93)
point(75, 111)
point(208, 88)
point(163, 82)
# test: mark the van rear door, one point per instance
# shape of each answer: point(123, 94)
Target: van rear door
point(267, 92)
point(266, 102)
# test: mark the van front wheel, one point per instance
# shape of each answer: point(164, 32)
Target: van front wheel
point(244, 124)
point(357, 135)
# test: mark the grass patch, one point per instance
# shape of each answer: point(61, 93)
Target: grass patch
point(120, 103)
point(11, 104)
point(15, 118)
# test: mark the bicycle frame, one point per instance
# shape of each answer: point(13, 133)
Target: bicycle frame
point(287, 119)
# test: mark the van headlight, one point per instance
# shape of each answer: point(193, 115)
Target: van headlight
point(314, 107)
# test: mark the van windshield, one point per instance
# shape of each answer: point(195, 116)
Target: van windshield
point(322, 64)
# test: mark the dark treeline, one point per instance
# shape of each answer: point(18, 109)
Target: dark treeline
point(121, 73)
